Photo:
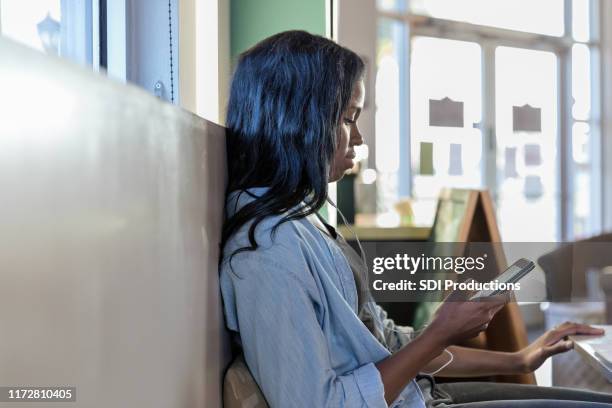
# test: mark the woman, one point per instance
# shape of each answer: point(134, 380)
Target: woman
point(294, 293)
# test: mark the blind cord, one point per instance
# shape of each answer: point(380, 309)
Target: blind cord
point(171, 51)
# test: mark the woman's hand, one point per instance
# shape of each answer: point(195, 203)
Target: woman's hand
point(456, 319)
point(459, 318)
point(552, 342)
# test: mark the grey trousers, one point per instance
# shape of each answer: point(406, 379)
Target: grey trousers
point(498, 395)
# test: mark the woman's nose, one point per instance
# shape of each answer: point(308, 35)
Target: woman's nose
point(356, 137)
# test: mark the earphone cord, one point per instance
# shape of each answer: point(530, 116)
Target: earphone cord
point(365, 265)
point(346, 224)
point(450, 360)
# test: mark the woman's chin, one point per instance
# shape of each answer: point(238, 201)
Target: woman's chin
point(348, 165)
point(338, 177)
point(334, 177)
point(338, 174)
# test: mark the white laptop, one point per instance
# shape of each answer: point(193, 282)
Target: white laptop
point(597, 350)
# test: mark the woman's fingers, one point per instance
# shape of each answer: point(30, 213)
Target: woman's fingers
point(569, 328)
point(586, 329)
point(580, 326)
point(558, 347)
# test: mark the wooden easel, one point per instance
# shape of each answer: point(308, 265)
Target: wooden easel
point(469, 216)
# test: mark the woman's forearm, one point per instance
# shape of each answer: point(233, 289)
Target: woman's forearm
point(470, 362)
point(425, 354)
point(398, 369)
point(455, 320)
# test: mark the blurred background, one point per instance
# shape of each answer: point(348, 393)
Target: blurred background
point(504, 95)
point(509, 96)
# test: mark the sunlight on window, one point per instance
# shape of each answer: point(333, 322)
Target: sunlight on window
point(581, 144)
point(581, 82)
point(536, 16)
point(582, 203)
point(580, 20)
point(445, 69)
point(514, 150)
point(387, 116)
point(32, 22)
point(528, 195)
point(391, 5)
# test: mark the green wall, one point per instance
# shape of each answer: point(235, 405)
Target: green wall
point(254, 20)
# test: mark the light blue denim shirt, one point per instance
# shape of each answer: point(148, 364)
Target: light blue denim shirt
point(292, 304)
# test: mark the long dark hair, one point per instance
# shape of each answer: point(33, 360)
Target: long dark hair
point(287, 95)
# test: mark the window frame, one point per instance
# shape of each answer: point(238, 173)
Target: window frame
point(491, 37)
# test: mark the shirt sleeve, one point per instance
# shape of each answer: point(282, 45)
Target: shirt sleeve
point(394, 335)
point(279, 320)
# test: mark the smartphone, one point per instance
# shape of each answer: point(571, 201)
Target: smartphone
point(513, 274)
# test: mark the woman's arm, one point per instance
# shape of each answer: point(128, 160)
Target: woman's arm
point(284, 345)
point(397, 369)
point(455, 320)
point(469, 362)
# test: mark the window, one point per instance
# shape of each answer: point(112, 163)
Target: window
point(449, 155)
point(97, 33)
point(56, 27)
point(390, 119)
point(481, 94)
point(542, 17)
point(527, 179)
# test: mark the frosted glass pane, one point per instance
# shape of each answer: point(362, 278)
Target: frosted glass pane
point(581, 145)
point(391, 5)
point(528, 195)
point(541, 16)
point(55, 27)
point(581, 26)
point(21, 19)
point(581, 82)
point(443, 69)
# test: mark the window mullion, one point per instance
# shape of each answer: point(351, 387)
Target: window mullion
point(489, 140)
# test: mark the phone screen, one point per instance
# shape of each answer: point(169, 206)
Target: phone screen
point(513, 274)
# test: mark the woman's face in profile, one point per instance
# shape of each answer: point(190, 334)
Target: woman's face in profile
point(348, 135)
